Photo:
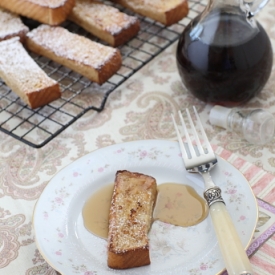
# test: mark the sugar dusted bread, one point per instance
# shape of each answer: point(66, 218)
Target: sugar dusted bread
point(24, 76)
point(130, 219)
point(93, 60)
point(167, 12)
point(11, 26)
point(104, 21)
point(52, 12)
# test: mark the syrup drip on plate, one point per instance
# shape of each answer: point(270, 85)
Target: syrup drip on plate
point(176, 204)
point(179, 204)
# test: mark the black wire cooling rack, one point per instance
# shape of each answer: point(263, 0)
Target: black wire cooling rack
point(37, 127)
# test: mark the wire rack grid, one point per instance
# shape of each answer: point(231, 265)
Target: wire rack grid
point(37, 127)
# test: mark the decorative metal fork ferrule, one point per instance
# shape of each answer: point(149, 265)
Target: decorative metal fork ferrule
point(213, 195)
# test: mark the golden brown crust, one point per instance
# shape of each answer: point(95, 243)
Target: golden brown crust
point(122, 37)
point(20, 34)
point(44, 96)
point(93, 60)
point(172, 12)
point(129, 259)
point(24, 76)
point(104, 21)
point(109, 69)
point(42, 13)
point(130, 219)
point(176, 14)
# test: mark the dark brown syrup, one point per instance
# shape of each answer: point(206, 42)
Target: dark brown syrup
point(229, 65)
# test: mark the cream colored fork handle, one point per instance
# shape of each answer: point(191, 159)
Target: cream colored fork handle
point(234, 255)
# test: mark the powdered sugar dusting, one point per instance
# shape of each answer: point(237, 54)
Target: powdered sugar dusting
point(130, 213)
point(103, 16)
point(131, 232)
point(10, 24)
point(72, 46)
point(15, 62)
point(49, 3)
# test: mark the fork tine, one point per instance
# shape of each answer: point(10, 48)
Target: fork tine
point(190, 145)
point(198, 143)
point(183, 151)
point(207, 143)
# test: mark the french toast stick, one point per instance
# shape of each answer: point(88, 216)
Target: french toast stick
point(51, 12)
point(91, 59)
point(163, 11)
point(20, 72)
point(104, 21)
point(130, 219)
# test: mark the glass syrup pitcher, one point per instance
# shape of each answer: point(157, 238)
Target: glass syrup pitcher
point(224, 56)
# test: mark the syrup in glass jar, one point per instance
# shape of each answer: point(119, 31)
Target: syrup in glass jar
point(223, 59)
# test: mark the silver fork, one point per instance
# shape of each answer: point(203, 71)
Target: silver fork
point(200, 158)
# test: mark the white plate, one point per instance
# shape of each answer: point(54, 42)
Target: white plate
point(70, 249)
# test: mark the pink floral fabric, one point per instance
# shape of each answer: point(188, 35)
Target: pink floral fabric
point(138, 109)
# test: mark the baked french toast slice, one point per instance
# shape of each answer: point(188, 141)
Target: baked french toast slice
point(93, 60)
point(51, 12)
point(130, 219)
point(23, 75)
point(166, 12)
point(104, 21)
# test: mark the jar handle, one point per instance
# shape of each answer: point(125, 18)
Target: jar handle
point(252, 7)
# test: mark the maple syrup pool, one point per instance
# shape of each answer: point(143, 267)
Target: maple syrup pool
point(176, 204)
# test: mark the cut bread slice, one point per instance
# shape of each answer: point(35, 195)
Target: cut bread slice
point(104, 21)
point(166, 12)
point(95, 61)
point(51, 12)
point(130, 219)
point(24, 76)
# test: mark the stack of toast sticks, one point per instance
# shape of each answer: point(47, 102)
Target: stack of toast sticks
point(93, 60)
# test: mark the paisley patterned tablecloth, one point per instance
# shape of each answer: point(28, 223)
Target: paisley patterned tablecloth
point(138, 109)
